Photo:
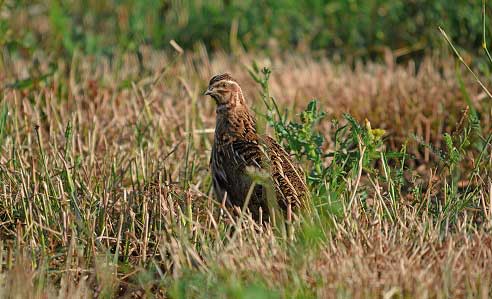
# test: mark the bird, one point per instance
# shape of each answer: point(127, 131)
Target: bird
point(238, 151)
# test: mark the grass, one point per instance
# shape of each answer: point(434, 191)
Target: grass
point(350, 29)
point(106, 189)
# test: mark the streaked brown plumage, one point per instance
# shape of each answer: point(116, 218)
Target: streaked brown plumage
point(237, 146)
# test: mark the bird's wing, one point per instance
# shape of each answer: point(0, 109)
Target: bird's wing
point(231, 159)
point(288, 179)
point(247, 153)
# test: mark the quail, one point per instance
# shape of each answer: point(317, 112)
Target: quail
point(238, 149)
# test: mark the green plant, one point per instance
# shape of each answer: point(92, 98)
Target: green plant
point(356, 149)
point(360, 29)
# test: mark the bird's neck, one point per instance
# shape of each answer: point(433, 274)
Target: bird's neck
point(234, 121)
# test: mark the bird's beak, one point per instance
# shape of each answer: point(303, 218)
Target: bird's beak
point(207, 92)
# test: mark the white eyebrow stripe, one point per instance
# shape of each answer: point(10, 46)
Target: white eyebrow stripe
point(226, 81)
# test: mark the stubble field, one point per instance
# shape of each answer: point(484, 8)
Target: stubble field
point(105, 187)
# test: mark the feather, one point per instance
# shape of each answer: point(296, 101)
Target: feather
point(237, 147)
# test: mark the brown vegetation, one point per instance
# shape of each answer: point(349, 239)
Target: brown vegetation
point(131, 177)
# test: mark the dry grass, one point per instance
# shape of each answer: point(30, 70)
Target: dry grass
point(121, 202)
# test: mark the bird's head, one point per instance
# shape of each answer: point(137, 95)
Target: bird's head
point(225, 91)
